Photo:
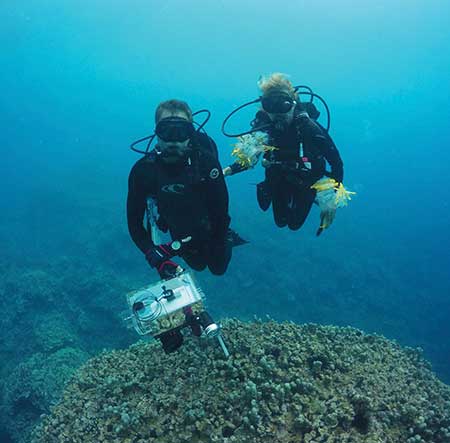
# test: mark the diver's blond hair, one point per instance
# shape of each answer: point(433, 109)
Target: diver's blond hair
point(276, 82)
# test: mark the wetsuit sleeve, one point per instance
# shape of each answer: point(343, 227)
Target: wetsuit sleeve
point(236, 167)
point(332, 156)
point(136, 206)
point(217, 203)
point(321, 139)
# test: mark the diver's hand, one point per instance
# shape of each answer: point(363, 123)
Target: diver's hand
point(169, 269)
point(326, 199)
point(227, 171)
point(326, 219)
point(158, 254)
point(236, 167)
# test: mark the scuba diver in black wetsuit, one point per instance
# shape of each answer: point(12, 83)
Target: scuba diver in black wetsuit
point(299, 148)
point(183, 176)
point(183, 179)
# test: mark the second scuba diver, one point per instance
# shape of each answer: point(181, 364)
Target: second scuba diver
point(295, 150)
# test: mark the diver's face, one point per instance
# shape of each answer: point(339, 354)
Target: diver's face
point(173, 133)
point(285, 118)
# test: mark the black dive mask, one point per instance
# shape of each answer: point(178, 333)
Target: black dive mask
point(277, 103)
point(174, 129)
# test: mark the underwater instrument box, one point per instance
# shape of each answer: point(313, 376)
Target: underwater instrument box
point(161, 307)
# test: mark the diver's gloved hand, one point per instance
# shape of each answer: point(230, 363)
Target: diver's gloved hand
point(330, 195)
point(158, 254)
point(169, 269)
point(227, 171)
point(326, 199)
point(326, 218)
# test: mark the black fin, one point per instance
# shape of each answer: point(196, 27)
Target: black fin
point(264, 195)
point(235, 238)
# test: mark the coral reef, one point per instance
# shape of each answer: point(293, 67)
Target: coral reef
point(53, 318)
point(53, 332)
point(63, 287)
point(283, 383)
point(33, 386)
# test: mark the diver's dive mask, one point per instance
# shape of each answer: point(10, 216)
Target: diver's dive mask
point(174, 129)
point(277, 103)
point(173, 133)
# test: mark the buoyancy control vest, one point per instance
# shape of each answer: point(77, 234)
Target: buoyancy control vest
point(181, 195)
point(296, 156)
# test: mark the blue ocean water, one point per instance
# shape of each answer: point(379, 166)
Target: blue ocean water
point(80, 81)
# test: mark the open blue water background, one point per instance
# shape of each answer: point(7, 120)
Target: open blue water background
point(80, 80)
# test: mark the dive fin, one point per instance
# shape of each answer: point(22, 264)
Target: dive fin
point(235, 238)
point(264, 195)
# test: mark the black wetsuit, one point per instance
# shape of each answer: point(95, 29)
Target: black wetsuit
point(192, 200)
point(303, 148)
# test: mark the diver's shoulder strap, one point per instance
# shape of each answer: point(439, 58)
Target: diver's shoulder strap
point(261, 119)
point(308, 108)
point(305, 124)
point(204, 161)
point(205, 143)
point(153, 172)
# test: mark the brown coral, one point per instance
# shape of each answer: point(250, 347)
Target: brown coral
point(283, 383)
